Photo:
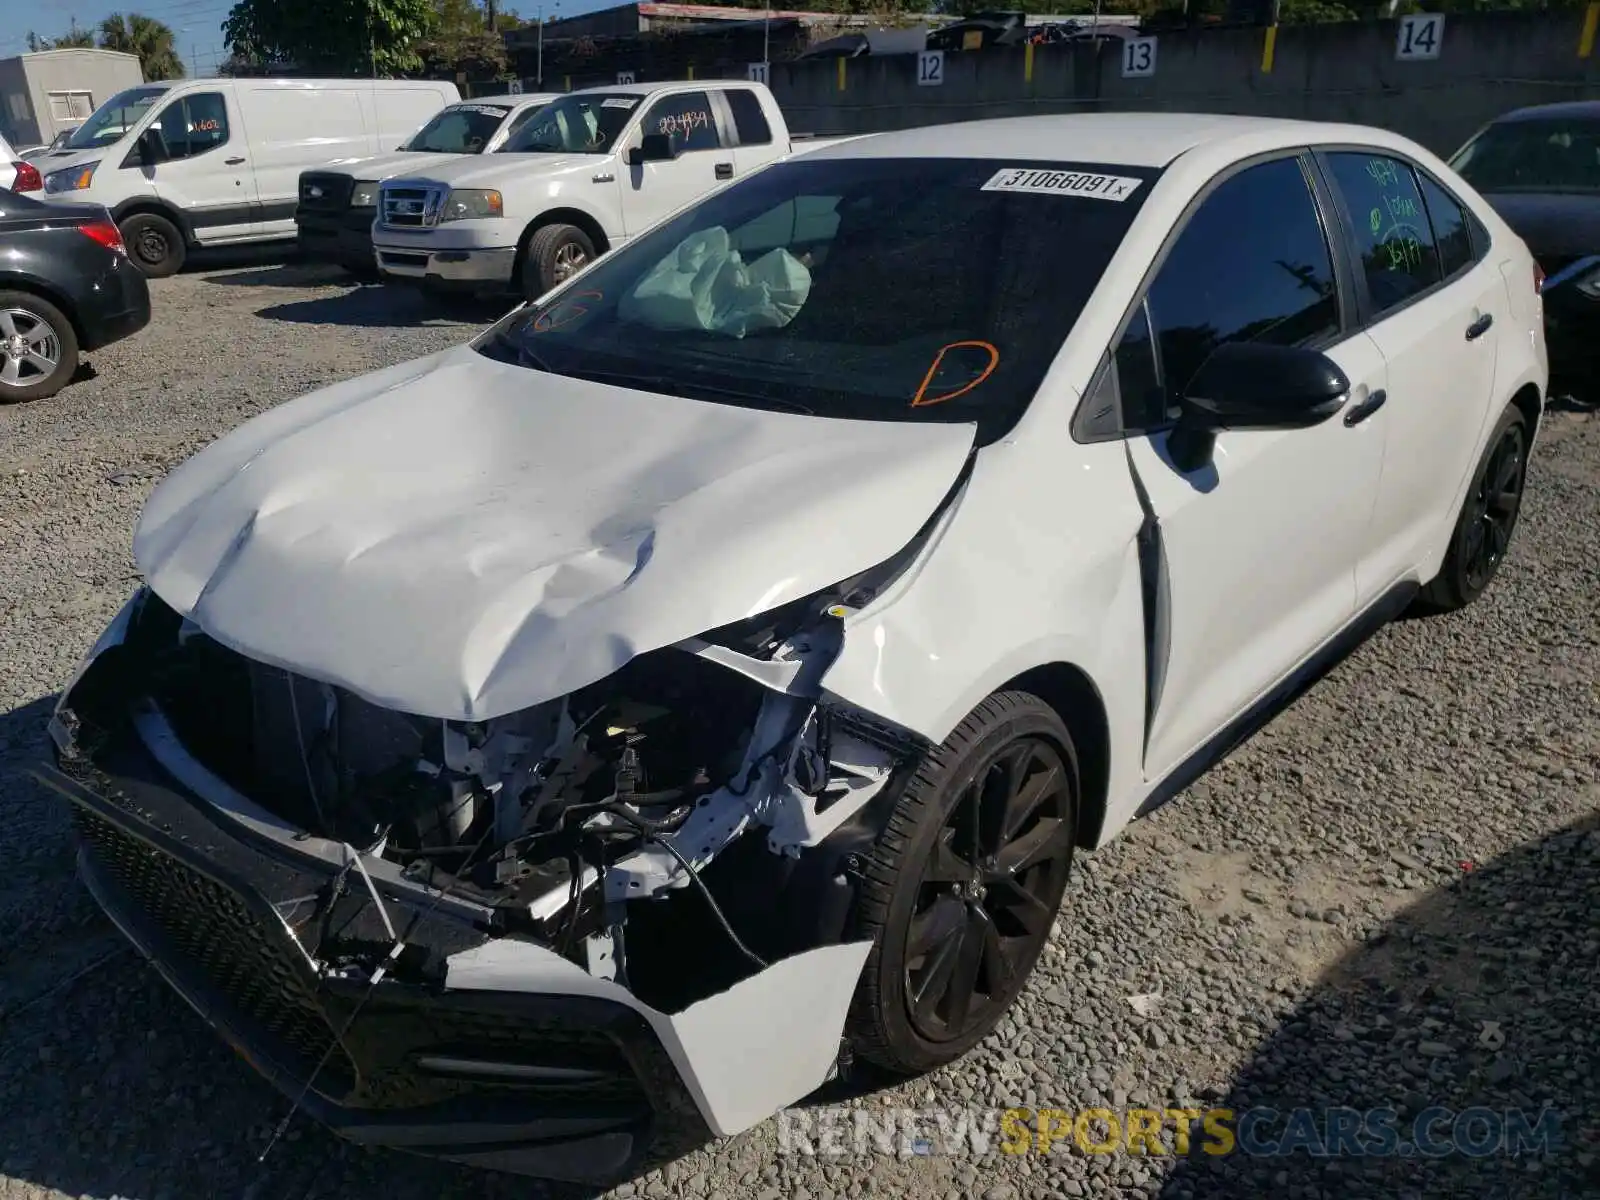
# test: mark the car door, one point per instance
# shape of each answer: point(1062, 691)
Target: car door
point(754, 146)
point(1257, 548)
point(203, 169)
point(652, 190)
point(1431, 304)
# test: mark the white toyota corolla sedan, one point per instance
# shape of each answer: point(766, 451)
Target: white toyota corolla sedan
point(592, 736)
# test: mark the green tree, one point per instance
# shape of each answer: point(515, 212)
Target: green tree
point(461, 40)
point(73, 39)
point(338, 37)
point(148, 38)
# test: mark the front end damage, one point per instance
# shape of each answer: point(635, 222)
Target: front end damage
point(544, 943)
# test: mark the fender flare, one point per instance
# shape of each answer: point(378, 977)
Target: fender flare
point(138, 204)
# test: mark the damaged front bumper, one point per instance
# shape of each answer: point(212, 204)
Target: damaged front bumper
point(405, 1012)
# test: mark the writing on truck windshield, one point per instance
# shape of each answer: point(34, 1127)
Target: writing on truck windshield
point(113, 119)
point(892, 290)
point(460, 129)
point(586, 124)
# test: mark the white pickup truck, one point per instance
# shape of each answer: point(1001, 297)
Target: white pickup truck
point(596, 168)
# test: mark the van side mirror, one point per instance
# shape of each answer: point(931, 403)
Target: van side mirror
point(152, 147)
point(1251, 385)
point(653, 147)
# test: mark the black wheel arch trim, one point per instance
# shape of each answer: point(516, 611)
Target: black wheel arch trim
point(11, 281)
point(135, 205)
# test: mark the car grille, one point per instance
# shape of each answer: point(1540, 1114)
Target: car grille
point(325, 191)
point(239, 953)
point(411, 207)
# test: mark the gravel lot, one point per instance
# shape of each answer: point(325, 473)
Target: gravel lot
point(1388, 899)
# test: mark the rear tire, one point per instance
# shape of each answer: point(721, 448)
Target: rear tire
point(957, 930)
point(38, 347)
point(553, 255)
point(1482, 534)
point(155, 245)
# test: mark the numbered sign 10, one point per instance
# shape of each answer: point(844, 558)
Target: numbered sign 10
point(758, 72)
point(625, 77)
point(930, 68)
point(1419, 37)
point(1138, 57)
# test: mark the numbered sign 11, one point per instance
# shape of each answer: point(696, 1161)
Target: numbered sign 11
point(1138, 57)
point(930, 68)
point(1419, 37)
point(758, 72)
point(625, 77)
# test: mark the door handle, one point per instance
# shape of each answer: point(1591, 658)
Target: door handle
point(1480, 327)
point(724, 170)
point(604, 177)
point(232, 162)
point(1366, 408)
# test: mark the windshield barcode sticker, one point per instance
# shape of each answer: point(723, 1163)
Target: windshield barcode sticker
point(618, 102)
point(1062, 183)
point(488, 110)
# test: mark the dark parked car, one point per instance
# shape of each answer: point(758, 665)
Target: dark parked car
point(66, 286)
point(1540, 168)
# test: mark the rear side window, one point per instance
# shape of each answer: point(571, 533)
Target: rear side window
point(194, 124)
point(1251, 265)
point(1390, 224)
point(687, 119)
point(1451, 233)
point(748, 118)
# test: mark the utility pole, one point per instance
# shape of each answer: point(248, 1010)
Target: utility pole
point(489, 12)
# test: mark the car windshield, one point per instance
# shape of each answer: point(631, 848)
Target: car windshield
point(575, 124)
point(114, 118)
point(880, 289)
point(1546, 155)
point(459, 129)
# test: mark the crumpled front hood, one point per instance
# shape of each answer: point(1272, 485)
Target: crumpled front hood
point(500, 168)
point(460, 538)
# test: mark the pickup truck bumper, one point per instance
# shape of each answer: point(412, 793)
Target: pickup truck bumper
point(344, 238)
point(430, 260)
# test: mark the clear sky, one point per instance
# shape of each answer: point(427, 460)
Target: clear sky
point(197, 24)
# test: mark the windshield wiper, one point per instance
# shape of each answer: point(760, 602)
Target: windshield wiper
point(677, 387)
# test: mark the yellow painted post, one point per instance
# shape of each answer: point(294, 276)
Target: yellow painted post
point(691, 70)
point(1267, 49)
point(1027, 63)
point(1591, 18)
point(841, 74)
point(566, 83)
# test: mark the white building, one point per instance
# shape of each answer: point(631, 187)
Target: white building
point(43, 93)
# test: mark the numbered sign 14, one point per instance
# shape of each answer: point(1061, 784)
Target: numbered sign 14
point(930, 68)
point(1419, 37)
point(625, 77)
point(1138, 57)
point(758, 72)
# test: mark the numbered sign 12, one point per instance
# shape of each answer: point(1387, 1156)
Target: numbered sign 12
point(930, 68)
point(1138, 57)
point(758, 72)
point(625, 77)
point(1419, 37)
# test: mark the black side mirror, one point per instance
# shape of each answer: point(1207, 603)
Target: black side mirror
point(653, 147)
point(1250, 385)
point(152, 147)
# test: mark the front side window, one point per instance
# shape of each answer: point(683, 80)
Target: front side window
point(892, 290)
point(1252, 265)
point(575, 124)
point(460, 129)
point(1390, 224)
point(194, 125)
point(748, 118)
point(1555, 154)
point(685, 118)
point(112, 120)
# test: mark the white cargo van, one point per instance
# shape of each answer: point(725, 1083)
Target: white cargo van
point(217, 161)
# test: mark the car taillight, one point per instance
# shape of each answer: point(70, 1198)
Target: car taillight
point(106, 233)
point(28, 178)
point(1538, 278)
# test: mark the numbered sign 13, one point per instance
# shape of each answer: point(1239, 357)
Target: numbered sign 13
point(758, 72)
point(1419, 37)
point(930, 68)
point(1138, 57)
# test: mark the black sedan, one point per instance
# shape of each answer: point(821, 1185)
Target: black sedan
point(1540, 168)
point(66, 286)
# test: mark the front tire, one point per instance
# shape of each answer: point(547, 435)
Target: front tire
point(960, 891)
point(1482, 533)
point(154, 244)
point(38, 347)
point(554, 254)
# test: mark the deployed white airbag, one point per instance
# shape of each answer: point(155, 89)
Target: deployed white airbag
point(704, 284)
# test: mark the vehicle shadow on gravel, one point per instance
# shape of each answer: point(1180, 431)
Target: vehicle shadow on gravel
point(1484, 996)
point(384, 307)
